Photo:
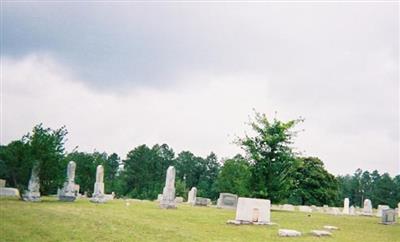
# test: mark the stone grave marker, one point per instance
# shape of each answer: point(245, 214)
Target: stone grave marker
point(168, 196)
point(227, 200)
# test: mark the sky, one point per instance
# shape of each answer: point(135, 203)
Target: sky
point(191, 74)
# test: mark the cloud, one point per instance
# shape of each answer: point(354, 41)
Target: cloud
point(201, 113)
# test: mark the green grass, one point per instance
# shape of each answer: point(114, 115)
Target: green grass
point(51, 220)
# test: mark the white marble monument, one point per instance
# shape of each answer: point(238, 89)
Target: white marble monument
point(252, 211)
point(192, 195)
point(380, 208)
point(98, 193)
point(33, 193)
point(346, 205)
point(68, 192)
point(367, 209)
point(168, 196)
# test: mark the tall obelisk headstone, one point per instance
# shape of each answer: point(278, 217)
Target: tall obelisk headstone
point(346, 205)
point(168, 197)
point(98, 193)
point(68, 192)
point(33, 193)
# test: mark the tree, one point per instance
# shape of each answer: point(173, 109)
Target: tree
point(207, 179)
point(234, 177)
point(273, 161)
point(314, 185)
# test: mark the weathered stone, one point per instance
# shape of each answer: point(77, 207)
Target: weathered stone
point(398, 209)
point(288, 233)
point(352, 210)
point(179, 199)
point(227, 200)
point(201, 201)
point(346, 204)
point(253, 211)
point(288, 207)
point(33, 193)
point(305, 209)
point(192, 195)
point(325, 209)
point(320, 233)
point(389, 216)
point(367, 209)
point(159, 197)
point(330, 227)
point(9, 192)
point(98, 194)
point(168, 197)
point(380, 208)
point(2, 183)
point(68, 192)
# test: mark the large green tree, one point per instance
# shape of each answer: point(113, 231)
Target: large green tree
point(273, 162)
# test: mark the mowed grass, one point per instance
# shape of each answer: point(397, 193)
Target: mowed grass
point(51, 220)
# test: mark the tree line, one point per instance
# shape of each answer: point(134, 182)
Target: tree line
point(269, 169)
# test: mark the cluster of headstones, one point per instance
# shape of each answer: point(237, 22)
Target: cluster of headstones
point(69, 192)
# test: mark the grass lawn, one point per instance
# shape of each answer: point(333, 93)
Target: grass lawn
point(51, 220)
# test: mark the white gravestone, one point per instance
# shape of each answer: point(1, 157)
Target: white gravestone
point(380, 208)
point(288, 207)
point(33, 193)
point(98, 193)
point(252, 211)
point(305, 209)
point(346, 204)
point(9, 192)
point(68, 192)
point(367, 209)
point(389, 216)
point(168, 197)
point(2, 183)
point(288, 233)
point(192, 195)
point(352, 210)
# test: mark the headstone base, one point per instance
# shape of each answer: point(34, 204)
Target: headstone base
point(31, 196)
point(243, 222)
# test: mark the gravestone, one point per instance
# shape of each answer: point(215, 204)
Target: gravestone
point(288, 207)
point(159, 197)
point(192, 195)
point(380, 208)
point(98, 192)
point(320, 233)
point(168, 196)
point(352, 210)
point(305, 209)
point(389, 216)
point(398, 209)
point(33, 193)
point(201, 201)
point(334, 211)
point(68, 192)
point(252, 211)
point(367, 209)
point(179, 199)
point(325, 208)
point(346, 205)
point(227, 200)
point(2, 183)
point(288, 233)
point(9, 192)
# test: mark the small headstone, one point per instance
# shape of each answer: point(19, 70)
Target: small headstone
point(227, 200)
point(33, 193)
point(192, 195)
point(325, 208)
point(98, 193)
point(253, 211)
point(288, 207)
point(9, 192)
point(367, 209)
point(68, 192)
point(2, 183)
point(380, 208)
point(200, 201)
point(179, 199)
point(320, 233)
point(352, 210)
point(168, 196)
point(159, 197)
point(330, 227)
point(334, 211)
point(389, 216)
point(288, 233)
point(305, 209)
point(346, 204)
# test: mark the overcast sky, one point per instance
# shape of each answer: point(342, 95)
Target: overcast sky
point(190, 74)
